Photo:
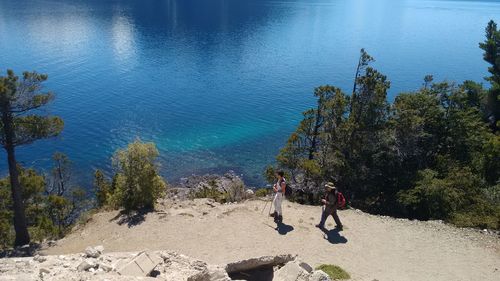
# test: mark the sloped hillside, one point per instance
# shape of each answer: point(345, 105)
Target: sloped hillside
point(369, 248)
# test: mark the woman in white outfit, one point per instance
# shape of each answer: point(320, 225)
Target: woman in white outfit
point(279, 190)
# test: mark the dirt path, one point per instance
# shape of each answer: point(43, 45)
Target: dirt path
point(370, 247)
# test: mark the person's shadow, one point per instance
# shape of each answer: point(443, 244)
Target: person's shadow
point(333, 236)
point(283, 228)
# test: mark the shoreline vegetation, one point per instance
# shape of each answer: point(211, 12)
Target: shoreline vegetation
point(432, 154)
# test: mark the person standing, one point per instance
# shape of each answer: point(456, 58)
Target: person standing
point(279, 190)
point(331, 204)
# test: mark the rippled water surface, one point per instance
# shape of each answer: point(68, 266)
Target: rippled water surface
point(219, 84)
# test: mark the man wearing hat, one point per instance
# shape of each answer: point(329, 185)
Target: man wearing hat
point(330, 202)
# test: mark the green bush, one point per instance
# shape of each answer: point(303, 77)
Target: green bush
point(262, 192)
point(480, 215)
point(137, 183)
point(335, 272)
point(102, 189)
point(211, 193)
point(433, 153)
point(51, 206)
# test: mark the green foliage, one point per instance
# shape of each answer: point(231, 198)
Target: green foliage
point(137, 183)
point(262, 192)
point(212, 192)
point(50, 210)
point(439, 198)
point(335, 272)
point(233, 193)
point(270, 174)
point(19, 98)
point(431, 154)
point(491, 48)
point(6, 217)
point(102, 188)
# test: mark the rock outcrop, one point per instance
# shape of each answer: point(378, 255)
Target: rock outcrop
point(222, 183)
point(229, 184)
point(93, 264)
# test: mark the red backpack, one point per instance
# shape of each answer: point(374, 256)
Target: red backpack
point(340, 200)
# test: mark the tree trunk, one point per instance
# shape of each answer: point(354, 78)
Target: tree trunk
point(22, 235)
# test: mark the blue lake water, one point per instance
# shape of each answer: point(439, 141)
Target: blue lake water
point(219, 84)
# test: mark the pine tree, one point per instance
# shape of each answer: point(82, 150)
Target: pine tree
point(19, 97)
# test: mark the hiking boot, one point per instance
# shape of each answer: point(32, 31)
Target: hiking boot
point(280, 218)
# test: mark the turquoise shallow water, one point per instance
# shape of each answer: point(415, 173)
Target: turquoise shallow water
point(219, 84)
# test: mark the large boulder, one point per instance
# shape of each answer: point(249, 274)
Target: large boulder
point(249, 264)
point(180, 267)
point(142, 265)
point(94, 252)
point(87, 265)
point(291, 271)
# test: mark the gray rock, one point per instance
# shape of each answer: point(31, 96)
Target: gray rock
point(319, 275)
point(305, 266)
point(86, 265)
point(99, 248)
point(141, 265)
point(91, 252)
point(292, 271)
point(210, 274)
point(229, 183)
point(39, 258)
point(249, 264)
point(105, 267)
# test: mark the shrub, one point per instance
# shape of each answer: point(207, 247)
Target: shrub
point(137, 183)
point(481, 214)
point(211, 193)
point(335, 272)
point(102, 189)
point(235, 192)
point(51, 206)
point(262, 192)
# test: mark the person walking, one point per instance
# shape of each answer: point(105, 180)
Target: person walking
point(279, 190)
point(331, 204)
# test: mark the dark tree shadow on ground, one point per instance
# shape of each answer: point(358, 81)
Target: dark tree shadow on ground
point(283, 228)
point(131, 218)
point(333, 236)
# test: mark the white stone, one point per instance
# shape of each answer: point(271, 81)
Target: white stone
point(39, 258)
point(105, 267)
point(291, 272)
point(141, 265)
point(99, 248)
point(86, 265)
point(92, 252)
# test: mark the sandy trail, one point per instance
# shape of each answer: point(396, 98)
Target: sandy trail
point(370, 247)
